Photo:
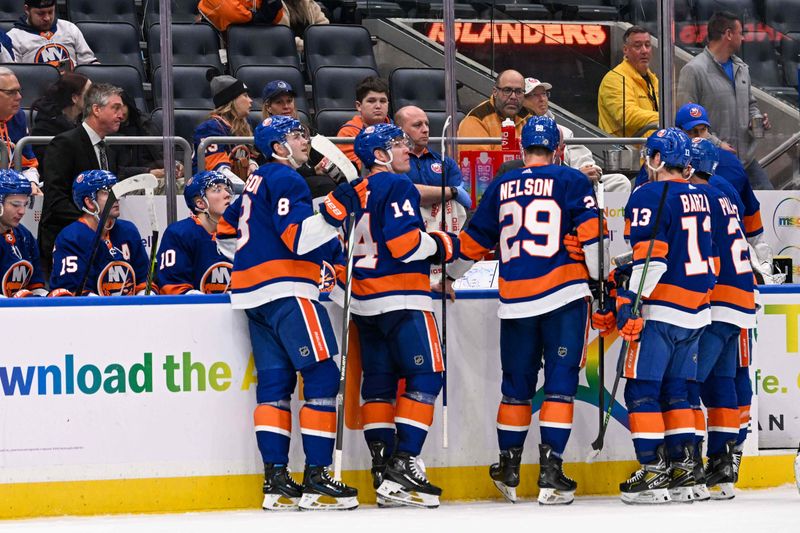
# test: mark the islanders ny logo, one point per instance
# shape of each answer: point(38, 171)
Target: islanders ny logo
point(116, 279)
point(216, 278)
point(54, 54)
point(17, 277)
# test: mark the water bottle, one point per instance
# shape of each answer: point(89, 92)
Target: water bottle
point(508, 135)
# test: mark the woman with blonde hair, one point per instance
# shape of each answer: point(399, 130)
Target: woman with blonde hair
point(229, 118)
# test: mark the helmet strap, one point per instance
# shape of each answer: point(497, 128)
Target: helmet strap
point(289, 158)
point(651, 167)
point(387, 164)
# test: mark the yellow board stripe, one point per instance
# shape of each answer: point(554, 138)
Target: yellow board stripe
point(211, 493)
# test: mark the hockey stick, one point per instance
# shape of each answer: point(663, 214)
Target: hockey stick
point(601, 342)
point(324, 146)
point(124, 187)
point(597, 445)
point(151, 208)
point(443, 227)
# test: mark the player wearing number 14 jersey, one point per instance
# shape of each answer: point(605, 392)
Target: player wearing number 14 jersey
point(544, 300)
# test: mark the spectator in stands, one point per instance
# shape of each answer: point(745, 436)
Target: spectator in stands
point(300, 14)
point(372, 106)
point(627, 101)
point(719, 80)
point(72, 152)
point(426, 165)
point(222, 13)
point(59, 108)
point(14, 126)
point(6, 48)
point(537, 101)
point(229, 118)
point(40, 37)
point(505, 102)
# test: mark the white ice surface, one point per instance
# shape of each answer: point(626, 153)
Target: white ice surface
point(772, 511)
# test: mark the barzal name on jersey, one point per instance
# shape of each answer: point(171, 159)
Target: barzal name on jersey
point(188, 260)
point(19, 262)
point(120, 268)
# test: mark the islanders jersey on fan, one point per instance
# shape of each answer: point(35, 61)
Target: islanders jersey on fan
point(188, 260)
point(681, 269)
point(119, 269)
point(267, 219)
point(528, 211)
point(388, 232)
point(11, 131)
point(63, 46)
point(732, 299)
point(217, 155)
point(19, 262)
point(732, 170)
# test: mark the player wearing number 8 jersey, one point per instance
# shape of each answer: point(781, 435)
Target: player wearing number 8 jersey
point(544, 300)
point(276, 272)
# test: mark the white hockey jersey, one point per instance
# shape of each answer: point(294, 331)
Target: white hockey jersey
point(63, 46)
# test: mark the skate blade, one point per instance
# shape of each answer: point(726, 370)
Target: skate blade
point(648, 497)
point(322, 502)
point(384, 503)
point(279, 502)
point(394, 492)
point(723, 491)
point(701, 493)
point(555, 497)
point(509, 493)
point(682, 494)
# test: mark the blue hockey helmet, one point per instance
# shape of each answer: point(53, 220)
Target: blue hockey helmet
point(12, 182)
point(197, 185)
point(674, 146)
point(541, 131)
point(274, 130)
point(86, 184)
point(705, 156)
point(373, 137)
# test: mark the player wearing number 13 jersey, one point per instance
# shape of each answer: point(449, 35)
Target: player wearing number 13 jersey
point(544, 300)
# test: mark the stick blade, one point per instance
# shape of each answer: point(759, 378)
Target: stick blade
point(323, 145)
point(139, 182)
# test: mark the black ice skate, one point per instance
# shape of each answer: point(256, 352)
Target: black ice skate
point(377, 450)
point(681, 474)
point(737, 463)
point(554, 487)
point(720, 473)
point(281, 493)
point(649, 484)
point(405, 483)
point(505, 473)
point(700, 490)
point(321, 492)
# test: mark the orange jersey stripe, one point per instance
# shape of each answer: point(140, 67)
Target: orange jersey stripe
point(377, 412)
point(557, 412)
point(590, 229)
point(433, 340)
point(660, 249)
point(470, 247)
point(631, 359)
point(699, 420)
point(404, 244)
point(178, 288)
point(269, 415)
point(753, 224)
point(30, 163)
point(314, 329)
point(214, 160)
point(391, 283)
point(744, 414)
point(413, 410)
point(678, 419)
point(224, 228)
point(646, 422)
point(514, 415)
point(679, 296)
point(733, 295)
point(277, 268)
point(744, 348)
point(525, 288)
point(288, 236)
point(318, 420)
point(627, 230)
point(722, 417)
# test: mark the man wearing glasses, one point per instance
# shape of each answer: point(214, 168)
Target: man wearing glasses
point(506, 102)
point(14, 126)
point(627, 101)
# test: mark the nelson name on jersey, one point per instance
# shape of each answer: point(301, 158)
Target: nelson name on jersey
point(527, 187)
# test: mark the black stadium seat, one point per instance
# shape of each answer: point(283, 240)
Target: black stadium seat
point(338, 45)
point(257, 76)
point(261, 45)
point(335, 87)
point(255, 118)
point(790, 54)
point(328, 121)
point(102, 11)
point(186, 120)
point(519, 10)
point(114, 43)
point(643, 13)
point(123, 76)
point(190, 88)
point(10, 9)
point(783, 15)
point(422, 87)
point(33, 78)
point(747, 9)
point(762, 58)
point(192, 44)
point(182, 11)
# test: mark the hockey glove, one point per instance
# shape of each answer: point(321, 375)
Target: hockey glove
point(447, 247)
point(603, 320)
point(629, 326)
point(345, 199)
point(23, 293)
point(60, 292)
point(574, 248)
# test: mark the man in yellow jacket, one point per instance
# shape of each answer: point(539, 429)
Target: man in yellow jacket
point(627, 101)
point(505, 102)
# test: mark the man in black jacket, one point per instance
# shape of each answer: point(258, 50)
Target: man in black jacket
point(71, 153)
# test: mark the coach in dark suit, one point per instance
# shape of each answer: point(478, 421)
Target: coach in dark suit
point(71, 153)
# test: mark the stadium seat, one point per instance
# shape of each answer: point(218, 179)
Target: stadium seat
point(378, 9)
point(422, 87)
point(790, 55)
point(261, 45)
point(436, 121)
point(747, 9)
point(190, 88)
point(518, 10)
point(123, 76)
point(182, 11)
point(6, 25)
point(34, 79)
point(114, 43)
point(328, 121)
point(761, 56)
point(643, 13)
point(335, 87)
point(337, 45)
point(257, 76)
point(186, 120)
point(783, 15)
point(255, 118)
point(102, 11)
point(192, 44)
point(10, 10)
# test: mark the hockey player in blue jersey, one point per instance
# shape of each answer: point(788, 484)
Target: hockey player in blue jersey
point(393, 310)
point(19, 253)
point(544, 300)
point(188, 259)
point(275, 279)
point(121, 264)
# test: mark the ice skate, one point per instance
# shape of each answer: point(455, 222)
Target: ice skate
point(405, 483)
point(505, 473)
point(681, 473)
point(321, 492)
point(554, 487)
point(720, 474)
point(649, 484)
point(377, 450)
point(700, 491)
point(281, 493)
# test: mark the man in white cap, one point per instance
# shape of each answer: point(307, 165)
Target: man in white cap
point(537, 101)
